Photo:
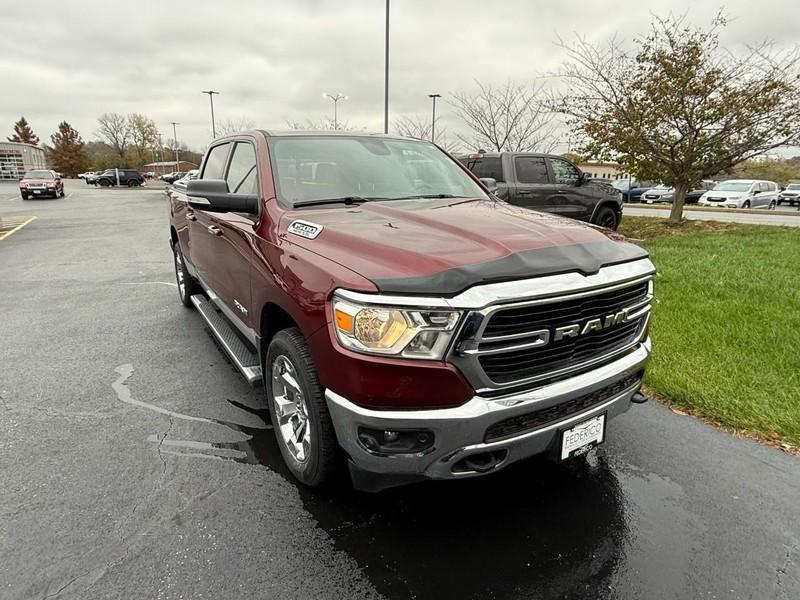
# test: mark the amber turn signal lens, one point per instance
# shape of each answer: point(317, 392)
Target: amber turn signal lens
point(344, 322)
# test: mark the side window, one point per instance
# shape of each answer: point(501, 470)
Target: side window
point(531, 169)
point(242, 174)
point(488, 166)
point(215, 162)
point(564, 172)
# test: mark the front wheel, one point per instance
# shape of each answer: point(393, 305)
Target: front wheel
point(607, 217)
point(746, 204)
point(300, 418)
point(104, 183)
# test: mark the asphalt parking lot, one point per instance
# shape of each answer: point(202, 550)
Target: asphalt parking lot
point(136, 463)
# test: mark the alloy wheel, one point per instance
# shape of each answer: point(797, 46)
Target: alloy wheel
point(180, 276)
point(290, 409)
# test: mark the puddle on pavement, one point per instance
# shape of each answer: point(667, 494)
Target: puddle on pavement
point(588, 528)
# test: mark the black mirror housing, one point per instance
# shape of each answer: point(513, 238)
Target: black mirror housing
point(490, 183)
point(212, 195)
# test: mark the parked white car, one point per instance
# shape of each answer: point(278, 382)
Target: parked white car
point(658, 194)
point(791, 194)
point(742, 193)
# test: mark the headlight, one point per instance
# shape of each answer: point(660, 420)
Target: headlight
point(407, 332)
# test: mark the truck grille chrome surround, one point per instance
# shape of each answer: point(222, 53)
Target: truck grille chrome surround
point(535, 341)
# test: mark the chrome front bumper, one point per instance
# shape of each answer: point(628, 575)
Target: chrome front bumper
point(460, 431)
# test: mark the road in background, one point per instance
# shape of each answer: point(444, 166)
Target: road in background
point(785, 217)
point(136, 463)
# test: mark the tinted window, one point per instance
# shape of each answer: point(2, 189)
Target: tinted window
point(564, 172)
point(215, 162)
point(488, 166)
point(242, 172)
point(531, 169)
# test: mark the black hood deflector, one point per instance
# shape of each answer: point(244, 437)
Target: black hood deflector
point(586, 259)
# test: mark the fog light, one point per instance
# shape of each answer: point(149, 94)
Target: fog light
point(409, 441)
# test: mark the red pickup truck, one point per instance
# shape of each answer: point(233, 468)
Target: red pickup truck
point(405, 321)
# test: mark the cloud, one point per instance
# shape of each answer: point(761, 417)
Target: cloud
point(273, 59)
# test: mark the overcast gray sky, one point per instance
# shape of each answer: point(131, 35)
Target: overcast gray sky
point(273, 59)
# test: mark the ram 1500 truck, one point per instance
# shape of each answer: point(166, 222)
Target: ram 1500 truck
point(548, 183)
point(404, 320)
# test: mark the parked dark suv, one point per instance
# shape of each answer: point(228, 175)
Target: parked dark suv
point(129, 177)
point(547, 183)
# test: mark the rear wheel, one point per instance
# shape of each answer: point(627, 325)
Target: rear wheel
point(187, 286)
point(606, 217)
point(300, 418)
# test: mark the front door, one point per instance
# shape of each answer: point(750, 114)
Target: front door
point(575, 200)
point(533, 187)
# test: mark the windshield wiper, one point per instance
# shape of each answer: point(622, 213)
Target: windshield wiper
point(343, 200)
point(424, 196)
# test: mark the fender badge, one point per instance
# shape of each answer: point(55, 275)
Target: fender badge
point(305, 229)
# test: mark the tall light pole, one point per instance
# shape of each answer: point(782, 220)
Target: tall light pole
point(433, 117)
point(160, 152)
point(175, 139)
point(336, 98)
point(386, 76)
point(211, 99)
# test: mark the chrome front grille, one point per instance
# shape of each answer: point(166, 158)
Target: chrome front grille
point(539, 341)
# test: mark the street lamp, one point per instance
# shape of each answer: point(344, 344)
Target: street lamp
point(175, 139)
point(386, 75)
point(160, 152)
point(336, 98)
point(211, 99)
point(433, 118)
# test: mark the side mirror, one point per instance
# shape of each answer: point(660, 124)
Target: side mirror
point(756, 192)
point(490, 183)
point(212, 195)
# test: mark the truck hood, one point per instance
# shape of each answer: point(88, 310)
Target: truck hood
point(442, 247)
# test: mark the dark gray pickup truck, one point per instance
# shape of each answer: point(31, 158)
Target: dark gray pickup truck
point(547, 183)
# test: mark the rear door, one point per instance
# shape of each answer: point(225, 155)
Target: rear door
point(574, 198)
point(489, 166)
point(532, 186)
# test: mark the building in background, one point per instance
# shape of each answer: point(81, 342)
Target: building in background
point(17, 159)
point(603, 170)
point(162, 168)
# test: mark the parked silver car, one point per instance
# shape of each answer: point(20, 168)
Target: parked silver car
point(742, 193)
point(660, 193)
point(791, 194)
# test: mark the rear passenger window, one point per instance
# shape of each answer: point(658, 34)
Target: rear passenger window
point(531, 169)
point(242, 174)
point(215, 162)
point(488, 166)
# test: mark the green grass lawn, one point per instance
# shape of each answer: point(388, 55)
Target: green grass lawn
point(726, 322)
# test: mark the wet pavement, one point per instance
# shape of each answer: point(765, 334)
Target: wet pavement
point(136, 463)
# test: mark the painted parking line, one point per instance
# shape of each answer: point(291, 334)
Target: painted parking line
point(16, 228)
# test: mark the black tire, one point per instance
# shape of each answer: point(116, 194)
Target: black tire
point(746, 204)
point(63, 192)
point(321, 462)
point(104, 183)
point(606, 217)
point(187, 285)
point(771, 205)
point(25, 196)
point(133, 183)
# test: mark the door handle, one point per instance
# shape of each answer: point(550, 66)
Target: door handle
point(524, 192)
point(190, 217)
point(214, 230)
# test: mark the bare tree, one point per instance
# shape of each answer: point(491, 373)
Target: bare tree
point(143, 136)
point(232, 125)
point(679, 109)
point(419, 127)
point(114, 128)
point(512, 118)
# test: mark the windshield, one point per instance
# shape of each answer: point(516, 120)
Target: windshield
point(793, 186)
point(621, 184)
point(733, 186)
point(39, 175)
point(317, 168)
